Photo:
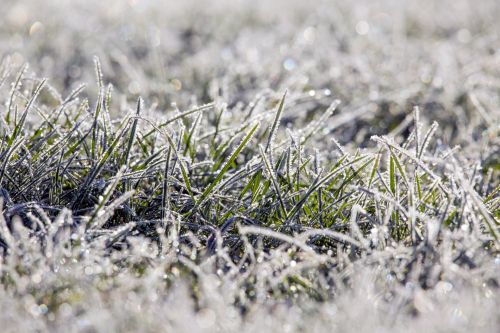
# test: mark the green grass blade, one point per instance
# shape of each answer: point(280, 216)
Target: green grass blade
point(227, 165)
point(276, 122)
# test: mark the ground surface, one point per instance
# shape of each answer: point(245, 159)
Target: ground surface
point(248, 166)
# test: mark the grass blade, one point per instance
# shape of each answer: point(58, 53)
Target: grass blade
point(227, 165)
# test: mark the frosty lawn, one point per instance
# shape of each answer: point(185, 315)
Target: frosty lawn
point(249, 166)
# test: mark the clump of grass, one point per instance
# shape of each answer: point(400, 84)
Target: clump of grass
point(247, 206)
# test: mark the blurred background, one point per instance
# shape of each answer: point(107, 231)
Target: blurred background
point(378, 57)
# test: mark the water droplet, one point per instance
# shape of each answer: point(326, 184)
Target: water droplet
point(176, 84)
point(444, 287)
point(289, 64)
point(88, 270)
point(362, 28)
point(35, 27)
point(65, 310)
point(43, 308)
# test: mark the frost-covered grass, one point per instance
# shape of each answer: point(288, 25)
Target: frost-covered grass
point(249, 166)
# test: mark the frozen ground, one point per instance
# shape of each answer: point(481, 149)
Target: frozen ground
point(230, 165)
